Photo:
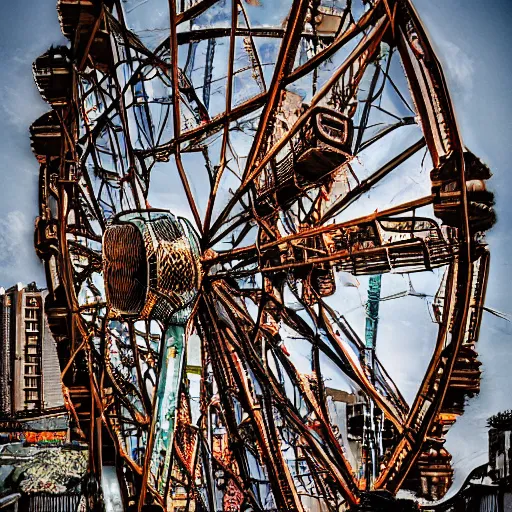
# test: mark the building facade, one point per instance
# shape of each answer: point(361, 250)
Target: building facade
point(29, 365)
point(488, 488)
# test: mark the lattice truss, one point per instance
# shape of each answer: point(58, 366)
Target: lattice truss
point(312, 146)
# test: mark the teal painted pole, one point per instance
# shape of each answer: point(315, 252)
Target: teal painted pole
point(372, 311)
point(372, 320)
point(167, 401)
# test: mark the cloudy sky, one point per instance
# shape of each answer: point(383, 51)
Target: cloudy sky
point(473, 40)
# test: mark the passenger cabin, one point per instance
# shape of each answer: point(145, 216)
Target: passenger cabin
point(327, 21)
point(445, 184)
point(73, 13)
point(52, 74)
point(465, 378)
point(79, 21)
point(320, 276)
point(46, 136)
point(320, 145)
point(58, 320)
point(45, 238)
point(410, 244)
point(323, 280)
point(464, 381)
point(433, 474)
point(414, 244)
point(466, 372)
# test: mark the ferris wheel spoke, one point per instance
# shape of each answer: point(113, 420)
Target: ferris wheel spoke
point(342, 39)
point(283, 66)
point(225, 374)
point(428, 88)
point(228, 107)
point(177, 115)
point(355, 65)
point(393, 404)
point(197, 7)
point(366, 184)
point(328, 452)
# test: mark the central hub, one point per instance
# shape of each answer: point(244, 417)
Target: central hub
point(151, 265)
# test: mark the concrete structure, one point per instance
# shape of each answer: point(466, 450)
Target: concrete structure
point(29, 365)
point(488, 488)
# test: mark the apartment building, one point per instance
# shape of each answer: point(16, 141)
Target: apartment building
point(29, 365)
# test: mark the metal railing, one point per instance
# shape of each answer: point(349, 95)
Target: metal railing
point(46, 502)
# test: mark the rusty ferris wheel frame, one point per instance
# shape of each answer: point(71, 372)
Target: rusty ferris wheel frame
point(170, 330)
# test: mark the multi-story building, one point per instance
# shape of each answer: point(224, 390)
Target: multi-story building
point(500, 449)
point(29, 365)
point(489, 486)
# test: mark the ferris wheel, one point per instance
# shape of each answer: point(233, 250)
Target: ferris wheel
point(218, 181)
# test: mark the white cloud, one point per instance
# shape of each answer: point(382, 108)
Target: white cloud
point(17, 256)
point(21, 102)
point(458, 67)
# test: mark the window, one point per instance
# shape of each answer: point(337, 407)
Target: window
point(32, 382)
point(32, 340)
point(31, 395)
point(31, 313)
point(30, 369)
point(32, 326)
point(32, 359)
point(32, 302)
point(32, 351)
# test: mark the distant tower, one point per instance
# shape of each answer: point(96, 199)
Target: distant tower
point(30, 373)
point(6, 361)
